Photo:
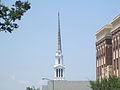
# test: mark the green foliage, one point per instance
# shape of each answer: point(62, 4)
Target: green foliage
point(8, 16)
point(32, 88)
point(112, 83)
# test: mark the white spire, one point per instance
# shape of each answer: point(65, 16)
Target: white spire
point(59, 35)
point(59, 67)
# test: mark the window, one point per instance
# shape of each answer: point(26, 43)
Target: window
point(104, 54)
point(117, 63)
point(102, 66)
point(116, 47)
point(58, 60)
point(100, 71)
point(56, 72)
point(114, 65)
point(97, 57)
point(119, 45)
point(113, 48)
point(61, 72)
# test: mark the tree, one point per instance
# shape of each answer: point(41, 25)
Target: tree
point(8, 16)
point(32, 88)
point(111, 83)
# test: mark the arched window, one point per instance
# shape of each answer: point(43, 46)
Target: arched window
point(59, 61)
point(61, 72)
point(56, 72)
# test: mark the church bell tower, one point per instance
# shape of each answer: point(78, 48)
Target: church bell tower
point(59, 67)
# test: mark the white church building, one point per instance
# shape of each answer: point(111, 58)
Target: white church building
point(59, 82)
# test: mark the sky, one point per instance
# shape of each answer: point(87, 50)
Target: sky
point(28, 53)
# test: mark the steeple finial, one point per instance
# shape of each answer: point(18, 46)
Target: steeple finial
point(59, 35)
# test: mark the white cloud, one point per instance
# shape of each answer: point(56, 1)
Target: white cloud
point(39, 81)
point(24, 82)
point(12, 77)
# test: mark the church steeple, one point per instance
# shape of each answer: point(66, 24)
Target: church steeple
point(59, 67)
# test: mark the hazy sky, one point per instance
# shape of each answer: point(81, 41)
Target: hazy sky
point(28, 54)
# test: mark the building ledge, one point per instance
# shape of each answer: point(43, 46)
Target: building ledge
point(107, 26)
point(116, 18)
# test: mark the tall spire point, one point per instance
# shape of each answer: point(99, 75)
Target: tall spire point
point(59, 34)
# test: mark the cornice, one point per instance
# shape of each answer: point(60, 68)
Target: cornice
point(116, 19)
point(107, 26)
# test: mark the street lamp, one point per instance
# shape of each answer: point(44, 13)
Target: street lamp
point(46, 79)
point(49, 80)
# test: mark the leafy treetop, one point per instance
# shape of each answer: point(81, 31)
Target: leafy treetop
point(32, 88)
point(8, 16)
point(111, 83)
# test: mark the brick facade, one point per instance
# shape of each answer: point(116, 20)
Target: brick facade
point(108, 49)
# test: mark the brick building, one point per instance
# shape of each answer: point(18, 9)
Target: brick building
point(108, 49)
